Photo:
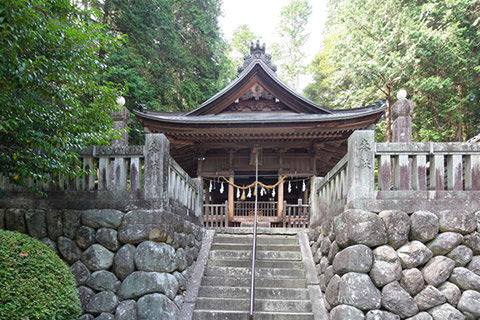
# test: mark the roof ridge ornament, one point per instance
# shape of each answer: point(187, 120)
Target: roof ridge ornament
point(257, 51)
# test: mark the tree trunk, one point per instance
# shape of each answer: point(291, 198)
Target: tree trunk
point(388, 114)
point(459, 133)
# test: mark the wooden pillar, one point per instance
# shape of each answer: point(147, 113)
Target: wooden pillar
point(280, 199)
point(231, 198)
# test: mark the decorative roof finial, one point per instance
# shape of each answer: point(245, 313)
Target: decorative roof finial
point(257, 51)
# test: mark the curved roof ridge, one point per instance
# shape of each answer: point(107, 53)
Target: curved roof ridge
point(271, 74)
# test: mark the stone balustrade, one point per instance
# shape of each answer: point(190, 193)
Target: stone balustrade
point(118, 177)
point(402, 176)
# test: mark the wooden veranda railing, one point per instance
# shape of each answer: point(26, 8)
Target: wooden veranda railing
point(294, 215)
point(215, 215)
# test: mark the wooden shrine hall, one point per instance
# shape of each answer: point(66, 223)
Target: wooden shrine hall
point(257, 113)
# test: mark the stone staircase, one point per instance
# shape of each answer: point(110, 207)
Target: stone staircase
point(281, 282)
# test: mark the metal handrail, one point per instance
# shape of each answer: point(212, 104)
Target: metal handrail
point(254, 246)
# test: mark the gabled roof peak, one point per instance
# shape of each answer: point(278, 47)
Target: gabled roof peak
point(257, 52)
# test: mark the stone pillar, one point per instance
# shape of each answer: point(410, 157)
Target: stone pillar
point(120, 122)
point(361, 169)
point(402, 110)
point(157, 155)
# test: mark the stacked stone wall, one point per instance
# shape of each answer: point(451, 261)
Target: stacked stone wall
point(393, 265)
point(128, 265)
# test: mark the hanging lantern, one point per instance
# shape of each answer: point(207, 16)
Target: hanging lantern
point(249, 192)
point(221, 188)
point(289, 187)
point(304, 186)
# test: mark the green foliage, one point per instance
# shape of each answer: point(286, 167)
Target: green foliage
point(431, 48)
point(240, 44)
point(174, 56)
point(51, 100)
point(289, 53)
point(35, 282)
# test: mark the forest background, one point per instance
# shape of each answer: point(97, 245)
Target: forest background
point(63, 64)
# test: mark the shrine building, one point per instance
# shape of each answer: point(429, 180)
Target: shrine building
point(295, 139)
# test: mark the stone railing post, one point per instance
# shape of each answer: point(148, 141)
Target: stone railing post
point(361, 169)
point(157, 155)
point(198, 206)
point(315, 214)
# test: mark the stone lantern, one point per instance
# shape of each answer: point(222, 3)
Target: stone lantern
point(120, 121)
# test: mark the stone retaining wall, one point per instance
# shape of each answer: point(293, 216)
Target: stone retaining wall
point(393, 265)
point(128, 265)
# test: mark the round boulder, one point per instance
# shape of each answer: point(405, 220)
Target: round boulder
point(470, 302)
point(424, 226)
point(465, 279)
point(446, 311)
point(156, 307)
point(358, 290)
point(103, 281)
point(80, 272)
point(429, 298)
point(451, 292)
point(386, 266)
point(346, 312)
point(126, 310)
point(123, 262)
point(438, 270)
point(68, 250)
point(398, 301)
point(412, 281)
point(461, 255)
point(85, 237)
point(457, 221)
point(140, 283)
point(445, 242)
point(105, 301)
point(96, 257)
point(398, 227)
point(107, 238)
point(356, 258)
point(154, 256)
point(381, 315)
point(359, 227)
point(414, 254)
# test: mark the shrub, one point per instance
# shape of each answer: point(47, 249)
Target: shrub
point(34, 282)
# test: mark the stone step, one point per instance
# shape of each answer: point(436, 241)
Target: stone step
point(259, 272)
point(260, 305)
point(220, 238)
point(243, 315)
point(259, 263)
point(261, 255)
point(260, 293)
point(259, 282)
point(260, 247)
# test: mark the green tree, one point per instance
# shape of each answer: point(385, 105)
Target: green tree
point(289, 53)
point(51, 101)
point(240, 44)
point(431, 48)
point(174, 57)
